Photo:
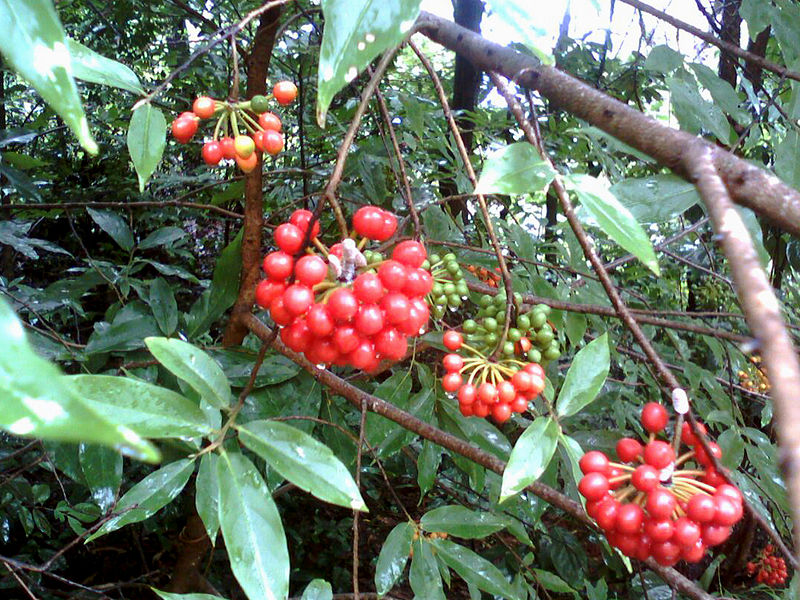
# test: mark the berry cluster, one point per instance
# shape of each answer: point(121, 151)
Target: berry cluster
point(651, 504)
point(449, 288)
point(755, 379)
point(768, 568)
point(530, 337)
point(350, 307)
point(262, 129)
point(497, 388)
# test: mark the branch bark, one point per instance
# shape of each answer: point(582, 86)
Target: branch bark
point(748, 185)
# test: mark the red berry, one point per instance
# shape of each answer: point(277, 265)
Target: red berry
point(310, 270)
point(289, 238)
point(368, 288)
point(204, 107)
point(452, 340)
point(628, 449)
point(467, 394)
point(628, 544)
point(694, 553)
point(272, 142)
point(212, 153)
point(391, 344)
point(267, 291)
point(701, 508)
point(687, 435)
point(278, 265)
point(269, 121)
point(659, 454)
point(284, 92)
point(666, 553)
point(346, 339)
point(645, 478)
point(396, 307)
point(279, 313)
point(727, 512)
point(712, 478)
point(487, 393)
point(451, 382)
point(410, 253)
point(593, 461)
point(297, 336)
point(368, 222)
point(654, 417)
point(659, 530)
point(301, 218)
point(522, 380)
point(297, 299)
point(520, 404)
point(734, 494)
point(228, 148)
point(506, 392)
point(393, 275)
point(418, 282)
point(363, 356)
point(629, 518)
point(501, 412)
point(342, 305)
point(687, 532)
point(606, 513)
point(660, 503)
point(466, 409)
point(369, 319)
point(534, 369)
point(247, 164)
point(593, 486)
point(479, 409)
point(714, 535)
point(319, 320)
point(388, 227)
point(183, 128)
point(452, 362)
point(702, 457)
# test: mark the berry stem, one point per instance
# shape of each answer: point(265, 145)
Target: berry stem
point(684, 457)
point(223, 120)
point(234, 124)
point(321, 247)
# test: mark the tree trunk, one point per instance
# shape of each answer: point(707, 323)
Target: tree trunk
point(730, 31)
point(257, 68)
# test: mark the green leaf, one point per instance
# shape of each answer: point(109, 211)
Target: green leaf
point(585, 377)
point(149, 410)
point(758, 15)
point(515, 169)
point(304, 461)
point(657, 198)
point(664, 59)
point(427, 466)
point(193, 366)
point(37, 401)
point(356, 31)
point(613, 218)
point(318, 589)
point(424, 576)
point(551, 581)
point(517, 15)
point(722, 92)
point(299, 396)
point(148, 496)
point(787, 158)
point(695, 113)
point(21, 182)
point(165, 308)
point(473, 569)
point(206, 496)
point(461, 522)
point(161, 237)
point(171, 596)
point(393, 557)
point(395, 389)
point(34, 44)
point(146, 140)
point(113, 225)
point(102, 471)
point(252, 529)
point(574, 452)
point(530, 456)
point(90, 66)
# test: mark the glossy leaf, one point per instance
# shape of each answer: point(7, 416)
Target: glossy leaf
point(461, 522)
point(304, 461)
point(114, 225)
point(554, 583)
point(90, 66)
point(473, 569)
point(613, 218)
point(515, 169)
point(34, 44)
point(148, 496)
point(193, 366)
point(165, 308)
point(149, 410)
point(695, 113)
point(424, 577)
point(146, 140)
point(516, 15)
point(657, 198)
point(393, 557)
point(530, 456)
point(102, 472)
point(252, 530)
point(38, 402)
point(206, 496)
point(300, 396)
point(318, 589)
point(171, 596)
point(356, 31)
point(162, 237)
point(585, 377)
point(427, 466)
point(574, 452)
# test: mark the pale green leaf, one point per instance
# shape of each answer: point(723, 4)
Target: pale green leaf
point(657, 198)
point(585, 377)
point(206, 496)
point(90, 66)
point(393, 557)
point(515, 169)
point(473, 569)
point(171, 596)
point(146, 140)
point(461, 522)
point(530, 456)
point(318, 589)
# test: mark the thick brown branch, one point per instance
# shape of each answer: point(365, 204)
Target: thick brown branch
point(749, 185)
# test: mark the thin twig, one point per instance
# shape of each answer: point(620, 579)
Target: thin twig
point(361, 431)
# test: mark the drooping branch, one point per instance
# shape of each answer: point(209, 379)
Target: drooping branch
point(748, 185)
point(455, 444)
point(763, 313)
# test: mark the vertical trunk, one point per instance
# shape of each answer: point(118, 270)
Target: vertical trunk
point(730, 32)
point(257, 68)
point(758, 46)
point(466, 82)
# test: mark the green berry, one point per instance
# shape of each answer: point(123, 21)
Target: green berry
point(259, 104)
point(440, 300)
point(534, 356)
point(437, 289)
point(490, 324)
point(462, 289)
point(485, 300)
point(458, 275)
point(426, 264)
point(514, 334)
point(523, 322)
point(538, 319)
point(517, 298)
point(544, 337)
point(449, 257)
point(437, 312)
point(491, 339)
point(469, 326)
point(508, 348)
point(543, 308)
point(453, 267)
point(449, 288)
point(434, 259)
point(454, 300)
point(552, 354)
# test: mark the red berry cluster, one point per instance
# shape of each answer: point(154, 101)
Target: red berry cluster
point(768, 568)
point(262, 129)
point(497, 388)
point(351, 307)
point(655, 505)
